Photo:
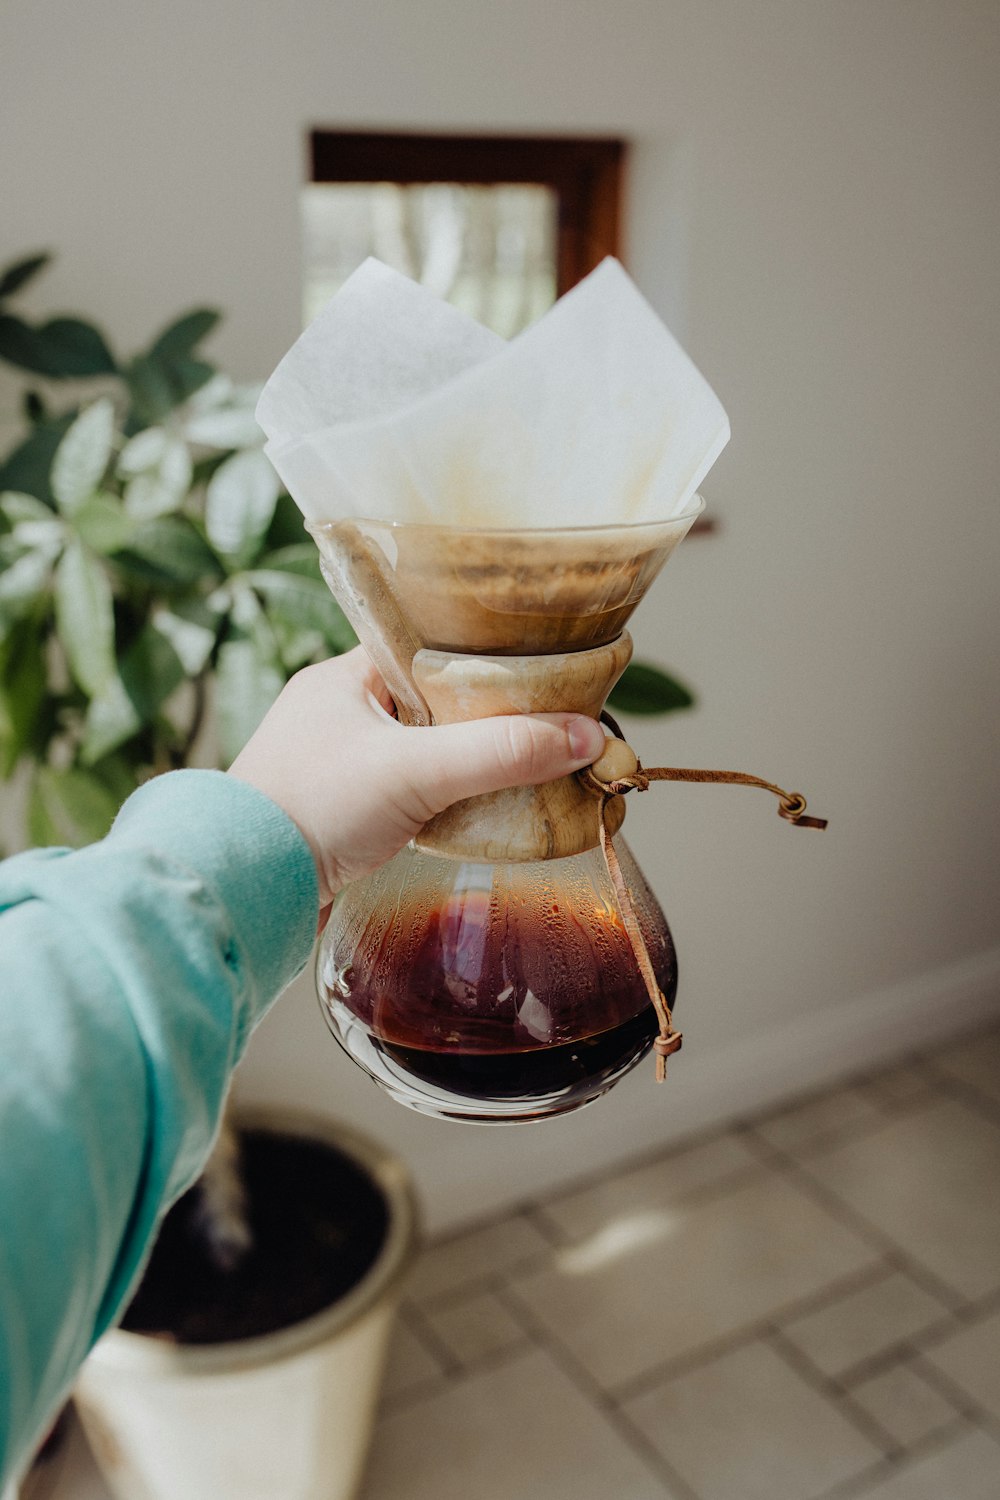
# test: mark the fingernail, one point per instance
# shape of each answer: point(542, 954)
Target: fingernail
point(586, 739)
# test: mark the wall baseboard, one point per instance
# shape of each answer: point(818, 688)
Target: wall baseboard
point(497, 1169)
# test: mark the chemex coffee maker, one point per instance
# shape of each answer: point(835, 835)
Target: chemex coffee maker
point(485, 973)
point(511, 963)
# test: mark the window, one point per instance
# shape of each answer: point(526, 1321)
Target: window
point(500, 226)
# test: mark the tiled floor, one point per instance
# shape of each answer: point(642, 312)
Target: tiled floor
point(805, 1305)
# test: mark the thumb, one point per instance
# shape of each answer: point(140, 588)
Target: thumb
point(452, 761)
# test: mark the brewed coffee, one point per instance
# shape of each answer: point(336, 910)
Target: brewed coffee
point(488, 992)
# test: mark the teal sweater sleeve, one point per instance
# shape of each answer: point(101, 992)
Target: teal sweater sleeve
point(131, 975)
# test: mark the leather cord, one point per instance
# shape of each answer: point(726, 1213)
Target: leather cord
point(791, 807)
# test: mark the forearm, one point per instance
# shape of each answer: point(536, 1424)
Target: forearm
point(131, 974)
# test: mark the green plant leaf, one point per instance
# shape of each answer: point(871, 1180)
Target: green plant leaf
point(63, 349)
point(162, 490)
point(218, 391)
point(247, 683)
point(18, 506)
point(297, 647)
point(151, 670)
point(240, 501)
point(188, 376)
point(111, 720)
point(644, 689)
point(181, 336)
point(38, 534)
point(300, 557)
point(71, 806)
point(28, 466)
point(150, 389)
point(102, 523)
point(23, 583)
point(117, 774)
point(339, 634)
point(287, 527)
point(34, 408)
point(15, 276)
point(143, 451)
point(169, 552)
point(191, 627)
point(22, 691)
point(83, 456)
point(21, 346)
point(75, 349)
point(304, 603)
point(224, 428)
point(85, 618)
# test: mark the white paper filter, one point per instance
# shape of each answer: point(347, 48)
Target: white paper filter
point(394, 405)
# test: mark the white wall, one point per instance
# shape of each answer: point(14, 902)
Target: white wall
point(813, 207)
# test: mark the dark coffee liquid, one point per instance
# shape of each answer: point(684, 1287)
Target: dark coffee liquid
point(575, 1068)
point(496, 1000)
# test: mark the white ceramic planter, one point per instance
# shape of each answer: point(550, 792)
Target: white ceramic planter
point(287, 1416)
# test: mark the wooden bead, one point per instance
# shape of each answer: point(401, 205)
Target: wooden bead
point(615, 761)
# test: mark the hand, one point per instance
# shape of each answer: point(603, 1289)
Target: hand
point(359, 784)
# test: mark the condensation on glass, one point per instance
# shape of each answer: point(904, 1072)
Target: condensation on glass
point(488, 249)
point(493, 991)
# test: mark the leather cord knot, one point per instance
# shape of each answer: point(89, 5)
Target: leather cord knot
point(791, 807)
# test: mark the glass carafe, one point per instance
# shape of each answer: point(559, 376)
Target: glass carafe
point(493, 991)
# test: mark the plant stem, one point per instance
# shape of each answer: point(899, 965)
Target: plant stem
point(180, 756)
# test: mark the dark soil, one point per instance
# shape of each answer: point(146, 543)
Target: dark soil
point(318, 1224)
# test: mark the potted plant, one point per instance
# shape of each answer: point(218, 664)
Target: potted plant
point(247, 1374)
point(155, 594)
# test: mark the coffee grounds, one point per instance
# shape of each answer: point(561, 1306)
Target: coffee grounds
point(318, 1224)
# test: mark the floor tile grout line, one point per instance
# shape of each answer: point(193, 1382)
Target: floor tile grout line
point(957, 1312)
point(492, 1357)
point(833, 1391)
point(967, 1406)
point(739, 1125)
point(651, 1157)
point(858, 1486)
point(923, 1340)
point(596, 1397)
point(430, 1341)
point(833, 1388)
point(951, 1301)
point(693, 1359)
point(849, 1218)
point(976, 1310)
point(816, 1093)
point(899, 1352)
point(412, 1395)
point(585, 1181)
point(699, 1193)
point(476, 1286)
point(539, 1259)
point(824, 1140)
point(893, 1108)
point(483, 1364)
point(548, 1227)
point(968, 1094)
